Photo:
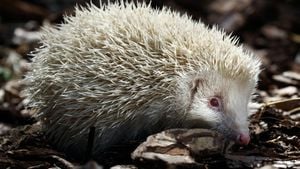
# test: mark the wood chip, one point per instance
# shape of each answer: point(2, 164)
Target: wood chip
point(176, 146)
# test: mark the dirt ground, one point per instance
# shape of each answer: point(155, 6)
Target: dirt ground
point(269, 28)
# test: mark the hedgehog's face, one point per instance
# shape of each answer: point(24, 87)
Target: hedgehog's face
point(218, 102)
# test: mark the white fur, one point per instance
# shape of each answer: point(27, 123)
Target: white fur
point(127, 69)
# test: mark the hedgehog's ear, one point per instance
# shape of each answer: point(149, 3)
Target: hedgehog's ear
point(188, 86)
point(195, 84)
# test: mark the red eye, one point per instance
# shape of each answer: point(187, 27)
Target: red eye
point(215, 102)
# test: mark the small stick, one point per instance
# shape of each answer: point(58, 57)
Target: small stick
point(90, 143)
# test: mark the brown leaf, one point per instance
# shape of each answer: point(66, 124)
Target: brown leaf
point(177, 146)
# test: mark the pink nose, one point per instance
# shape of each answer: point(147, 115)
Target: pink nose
point(243, 139)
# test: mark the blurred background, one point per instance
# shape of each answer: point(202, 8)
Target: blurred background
point(270, 28)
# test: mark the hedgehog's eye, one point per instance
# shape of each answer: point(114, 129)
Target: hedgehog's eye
point(215, 103)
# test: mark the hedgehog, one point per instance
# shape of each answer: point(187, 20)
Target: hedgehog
point(130, 71)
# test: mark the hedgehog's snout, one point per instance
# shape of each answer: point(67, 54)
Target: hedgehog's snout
point(235, 131)
point(243, 138)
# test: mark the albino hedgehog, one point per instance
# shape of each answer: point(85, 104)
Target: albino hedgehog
point(129, 70)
